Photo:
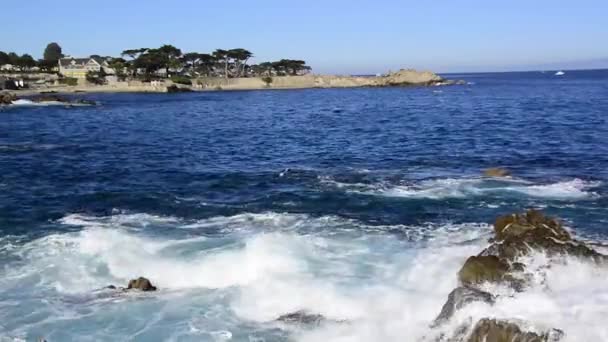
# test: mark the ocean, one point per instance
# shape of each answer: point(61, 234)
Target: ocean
point(360, 205)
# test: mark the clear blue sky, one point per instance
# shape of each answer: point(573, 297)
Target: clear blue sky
point(337, 36)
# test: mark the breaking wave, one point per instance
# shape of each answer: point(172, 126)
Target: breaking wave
point(575, 189)
point(265, 265)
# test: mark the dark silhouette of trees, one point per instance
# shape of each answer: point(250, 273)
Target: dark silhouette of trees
point(52, 52)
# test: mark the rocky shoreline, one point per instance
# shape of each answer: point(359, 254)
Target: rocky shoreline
point(401, 78)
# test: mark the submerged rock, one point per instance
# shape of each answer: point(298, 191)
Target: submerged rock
point(54, 98)
point(458, 298)
point(491, 330)
point(301, 317)
point(142, 284)
point(48, 98)
point(496, 172)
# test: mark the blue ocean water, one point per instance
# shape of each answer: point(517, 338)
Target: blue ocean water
point(358, 204)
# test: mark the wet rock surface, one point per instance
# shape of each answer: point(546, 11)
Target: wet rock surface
point(515, 235)
point(460, 297)
point(496, 172)
point(7, 98)
point(302, 318)
point(142, 284)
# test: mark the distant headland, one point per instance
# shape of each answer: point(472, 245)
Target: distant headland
point(168, 69)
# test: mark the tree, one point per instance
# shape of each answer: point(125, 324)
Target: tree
point(4, 58)
point(47, 66)
point(119, 65)
point(170, 57)
point(53, 52)
point(267, 67)
point(240, 57)
point(96, 77)
point(13, 58)
point(222, 56)
point(25, 62)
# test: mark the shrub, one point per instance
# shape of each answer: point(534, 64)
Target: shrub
point(97, 78)
point(181, 80)
point(69, 81)
point(267, 80)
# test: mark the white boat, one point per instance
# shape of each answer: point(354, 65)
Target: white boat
point(560, 73)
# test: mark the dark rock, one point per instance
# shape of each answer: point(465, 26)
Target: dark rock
point(301, 317)
point(496, 172)
point(175, 89)
point(111, 287)
point(142, 284)
point(48, 98)
point(518, 234)
point(533, 220)
point(479, 269)
point(458, 298)
point(7, 98)
point(491, 330)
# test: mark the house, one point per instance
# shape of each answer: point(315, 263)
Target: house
point(8, 67)
point(79, 67)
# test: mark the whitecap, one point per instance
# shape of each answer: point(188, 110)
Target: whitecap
point(445, 188)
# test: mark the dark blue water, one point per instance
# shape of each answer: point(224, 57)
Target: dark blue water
point(386, 159)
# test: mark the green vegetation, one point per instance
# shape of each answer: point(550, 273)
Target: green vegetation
point(181, 80)
point(166, 61)
point(267, 80)
point(96, 77)
point(52, 53)
point(69, 81)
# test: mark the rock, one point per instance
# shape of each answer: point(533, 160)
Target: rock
point(518, 234)
point(491, 330)
point(479, 269)
point(111, 287)
point(458, 298)
point(518, 224)
point(175, 89)
point(496, 172)
point(301, 317)
point(142, 284)
point(48, 98)
point(409, 77)
point(7, 98)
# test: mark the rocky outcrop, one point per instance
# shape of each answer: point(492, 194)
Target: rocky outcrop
point(406, 77)
point(491, 330)
point(496, 172)
point(460, 297)
point(518, 234)
point(515, 235)
point(47, 98)
point(302, 318)
point(175, 89)
point(7, 98)
point(142, 284)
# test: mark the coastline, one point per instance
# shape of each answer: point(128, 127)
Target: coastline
point(400, 78)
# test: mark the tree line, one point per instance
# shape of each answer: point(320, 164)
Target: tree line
point(219, 63)
point(24, 62)
point(168, 60)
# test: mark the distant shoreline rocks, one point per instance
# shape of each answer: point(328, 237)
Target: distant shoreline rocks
point(41, 99)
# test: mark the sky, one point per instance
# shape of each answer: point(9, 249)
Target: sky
point(333, 36)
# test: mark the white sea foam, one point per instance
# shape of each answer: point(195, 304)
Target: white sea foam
point(387, 289)
point(575, 189)
point(30, 103)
